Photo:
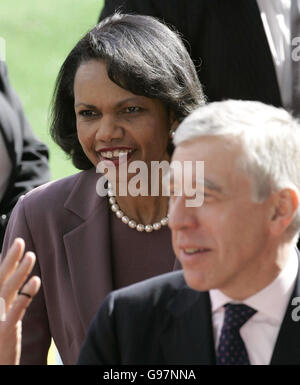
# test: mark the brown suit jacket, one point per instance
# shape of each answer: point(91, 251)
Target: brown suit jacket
point(67, 225)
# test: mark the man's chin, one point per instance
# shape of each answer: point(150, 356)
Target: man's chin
point(196, 281)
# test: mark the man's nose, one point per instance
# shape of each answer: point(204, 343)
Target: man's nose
point(108, 130)
point(180, 216)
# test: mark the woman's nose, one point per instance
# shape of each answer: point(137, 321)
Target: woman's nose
point(108, 130)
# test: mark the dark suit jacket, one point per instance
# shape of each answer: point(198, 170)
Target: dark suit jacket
point(67, 225)
point(163, 321)
point(226, 40)
point(29, 157)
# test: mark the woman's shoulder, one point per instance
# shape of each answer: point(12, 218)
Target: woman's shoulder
point(55, 193)
point(60, 186)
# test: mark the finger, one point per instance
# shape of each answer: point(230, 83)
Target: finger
point(17, 310)
point(17, 279)
point(11, 259)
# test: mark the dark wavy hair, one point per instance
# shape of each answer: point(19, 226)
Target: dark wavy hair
point(143, 56)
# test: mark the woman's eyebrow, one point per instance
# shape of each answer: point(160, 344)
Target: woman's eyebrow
point(118, 104)
point(84, 105)
point(121, 102)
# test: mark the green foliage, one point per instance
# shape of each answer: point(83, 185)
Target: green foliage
point(39, 34)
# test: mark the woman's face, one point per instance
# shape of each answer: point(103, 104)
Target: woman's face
point(111, 119)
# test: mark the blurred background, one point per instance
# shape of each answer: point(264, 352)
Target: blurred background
point(38, 36)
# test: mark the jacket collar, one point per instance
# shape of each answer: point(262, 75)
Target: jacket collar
point(83, 199)
point(287, 347)
point(187, 336)
point(90, 267)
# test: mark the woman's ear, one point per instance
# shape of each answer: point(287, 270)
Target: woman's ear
point(286, 203)
point(174, 123)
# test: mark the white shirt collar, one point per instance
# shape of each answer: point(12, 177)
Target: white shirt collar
point(271, 300)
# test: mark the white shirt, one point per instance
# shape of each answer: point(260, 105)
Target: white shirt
point(276, 20)
point(5, 167)
point(260, 332)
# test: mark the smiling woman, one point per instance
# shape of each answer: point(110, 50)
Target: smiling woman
point(111, 119)
point(119, 95)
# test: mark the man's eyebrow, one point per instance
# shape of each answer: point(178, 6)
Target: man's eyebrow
point(209, 184)
point(212, 186)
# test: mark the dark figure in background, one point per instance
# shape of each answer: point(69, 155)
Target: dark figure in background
point(242, 49)
point(23, 159)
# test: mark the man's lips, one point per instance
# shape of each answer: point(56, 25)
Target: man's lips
point(193, 250)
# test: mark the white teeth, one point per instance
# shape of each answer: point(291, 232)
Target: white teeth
point(107, 154)
point(115, 153)
point(191, 251)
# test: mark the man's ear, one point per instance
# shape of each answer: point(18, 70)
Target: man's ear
point(285, 205)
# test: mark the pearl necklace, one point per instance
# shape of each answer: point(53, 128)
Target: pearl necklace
point(130, 222)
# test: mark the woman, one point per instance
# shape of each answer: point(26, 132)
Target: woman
point(119, 94)
point(14, 300)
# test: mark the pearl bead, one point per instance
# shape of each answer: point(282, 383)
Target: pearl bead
point(140, 227)
point(148, 228)
point(119, 213)
point(157, 226)
point(114, 207)
point(132, 224)
point(164, 221)
point(125, 220)
point(112, 200)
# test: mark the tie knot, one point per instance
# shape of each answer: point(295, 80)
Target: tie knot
point(237, 315)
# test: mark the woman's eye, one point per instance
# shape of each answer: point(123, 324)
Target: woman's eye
point(87, 113)
point(132, 109)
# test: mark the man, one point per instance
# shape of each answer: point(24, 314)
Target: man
point(23, 159)
point(235, 301)
point(242, 49)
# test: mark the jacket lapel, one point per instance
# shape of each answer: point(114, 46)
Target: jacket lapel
point(188, 338)
point(88, 247)
point(287, 348)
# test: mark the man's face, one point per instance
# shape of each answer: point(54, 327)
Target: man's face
point(225, 243)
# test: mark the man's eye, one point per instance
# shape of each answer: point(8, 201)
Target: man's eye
point(132, 109)
point(208, 197)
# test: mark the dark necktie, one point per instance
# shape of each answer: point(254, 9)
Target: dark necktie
point(231, 349)
point(295, 33)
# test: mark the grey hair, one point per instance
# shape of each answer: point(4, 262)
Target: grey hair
point(270, 138)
